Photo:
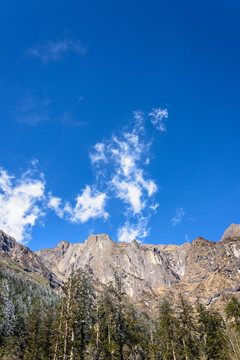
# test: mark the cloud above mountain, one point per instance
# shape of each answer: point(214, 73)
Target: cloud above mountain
point(20, 203)
point(120, 166)
point(89, 205)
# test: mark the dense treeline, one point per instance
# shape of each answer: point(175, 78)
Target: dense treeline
point(36, 324)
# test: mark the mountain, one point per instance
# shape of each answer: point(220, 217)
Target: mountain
point(21, 259)
point(203, 271)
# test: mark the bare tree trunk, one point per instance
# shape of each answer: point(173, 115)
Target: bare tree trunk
point(109, 340)
point(97, 335)
point(67, 321)
point(72, 347)
point(234, 342)
point(59, 331)
point(173, 351)
point(184, 345)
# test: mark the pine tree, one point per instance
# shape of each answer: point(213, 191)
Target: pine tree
point(232, 311)
point(110, 322)
point(76, 322)
point(167, 342)
point(188, 331)
point(34, 332)
point(137, 333)
point(213, 336)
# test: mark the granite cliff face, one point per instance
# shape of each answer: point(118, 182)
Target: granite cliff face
point(202, 271)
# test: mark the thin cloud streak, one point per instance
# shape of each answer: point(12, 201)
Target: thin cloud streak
point(177, 219)
point(32, 111)
point(158, 118)
point(53, 51)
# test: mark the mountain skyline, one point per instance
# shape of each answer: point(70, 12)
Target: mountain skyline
point(120, 119)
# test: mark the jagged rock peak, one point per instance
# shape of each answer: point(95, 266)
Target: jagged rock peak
point(62, 247)
point(201, 241)
point(99, 239)
point(232, 233)
point(134, 244)
point(7, 242)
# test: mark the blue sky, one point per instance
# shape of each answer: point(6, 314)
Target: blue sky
point(119, 117)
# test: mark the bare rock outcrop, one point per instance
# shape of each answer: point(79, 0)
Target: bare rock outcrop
point(232, 233)
point(145, 269)
point(201, 271)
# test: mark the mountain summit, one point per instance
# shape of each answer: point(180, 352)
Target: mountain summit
point(203, 271)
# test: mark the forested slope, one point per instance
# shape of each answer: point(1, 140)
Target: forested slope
point(36, 323)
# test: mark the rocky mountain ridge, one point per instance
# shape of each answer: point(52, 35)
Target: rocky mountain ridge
point(203, 271)
point(21, 258)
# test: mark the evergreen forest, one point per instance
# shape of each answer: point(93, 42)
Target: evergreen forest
point(82, 323)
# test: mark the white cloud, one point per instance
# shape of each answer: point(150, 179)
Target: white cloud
point(119, 165)
point(19, 204)
point(139, 118)
point(178, 217)
point(130, 193)
point(98, 154)
point(158, 117)
point(55, 204)
point(53, 50)
point(120, 162)
point(129, 232)
point(154, 207)
point(89, 205)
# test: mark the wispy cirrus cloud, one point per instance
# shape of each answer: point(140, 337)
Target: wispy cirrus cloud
point(177, 219)
point(158, 118)
point(67, 119)
point(187, 238)
point(33, 110)
point(20, 203)
point(52, 51)
point(120, 162)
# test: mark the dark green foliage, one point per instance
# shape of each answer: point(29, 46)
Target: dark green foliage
point(167, 336)
point(232, 311)
point(37, 324)
point(188, 331)
point(212, 334)
point(122, 332)
point(24, 306)
point(76, 319)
